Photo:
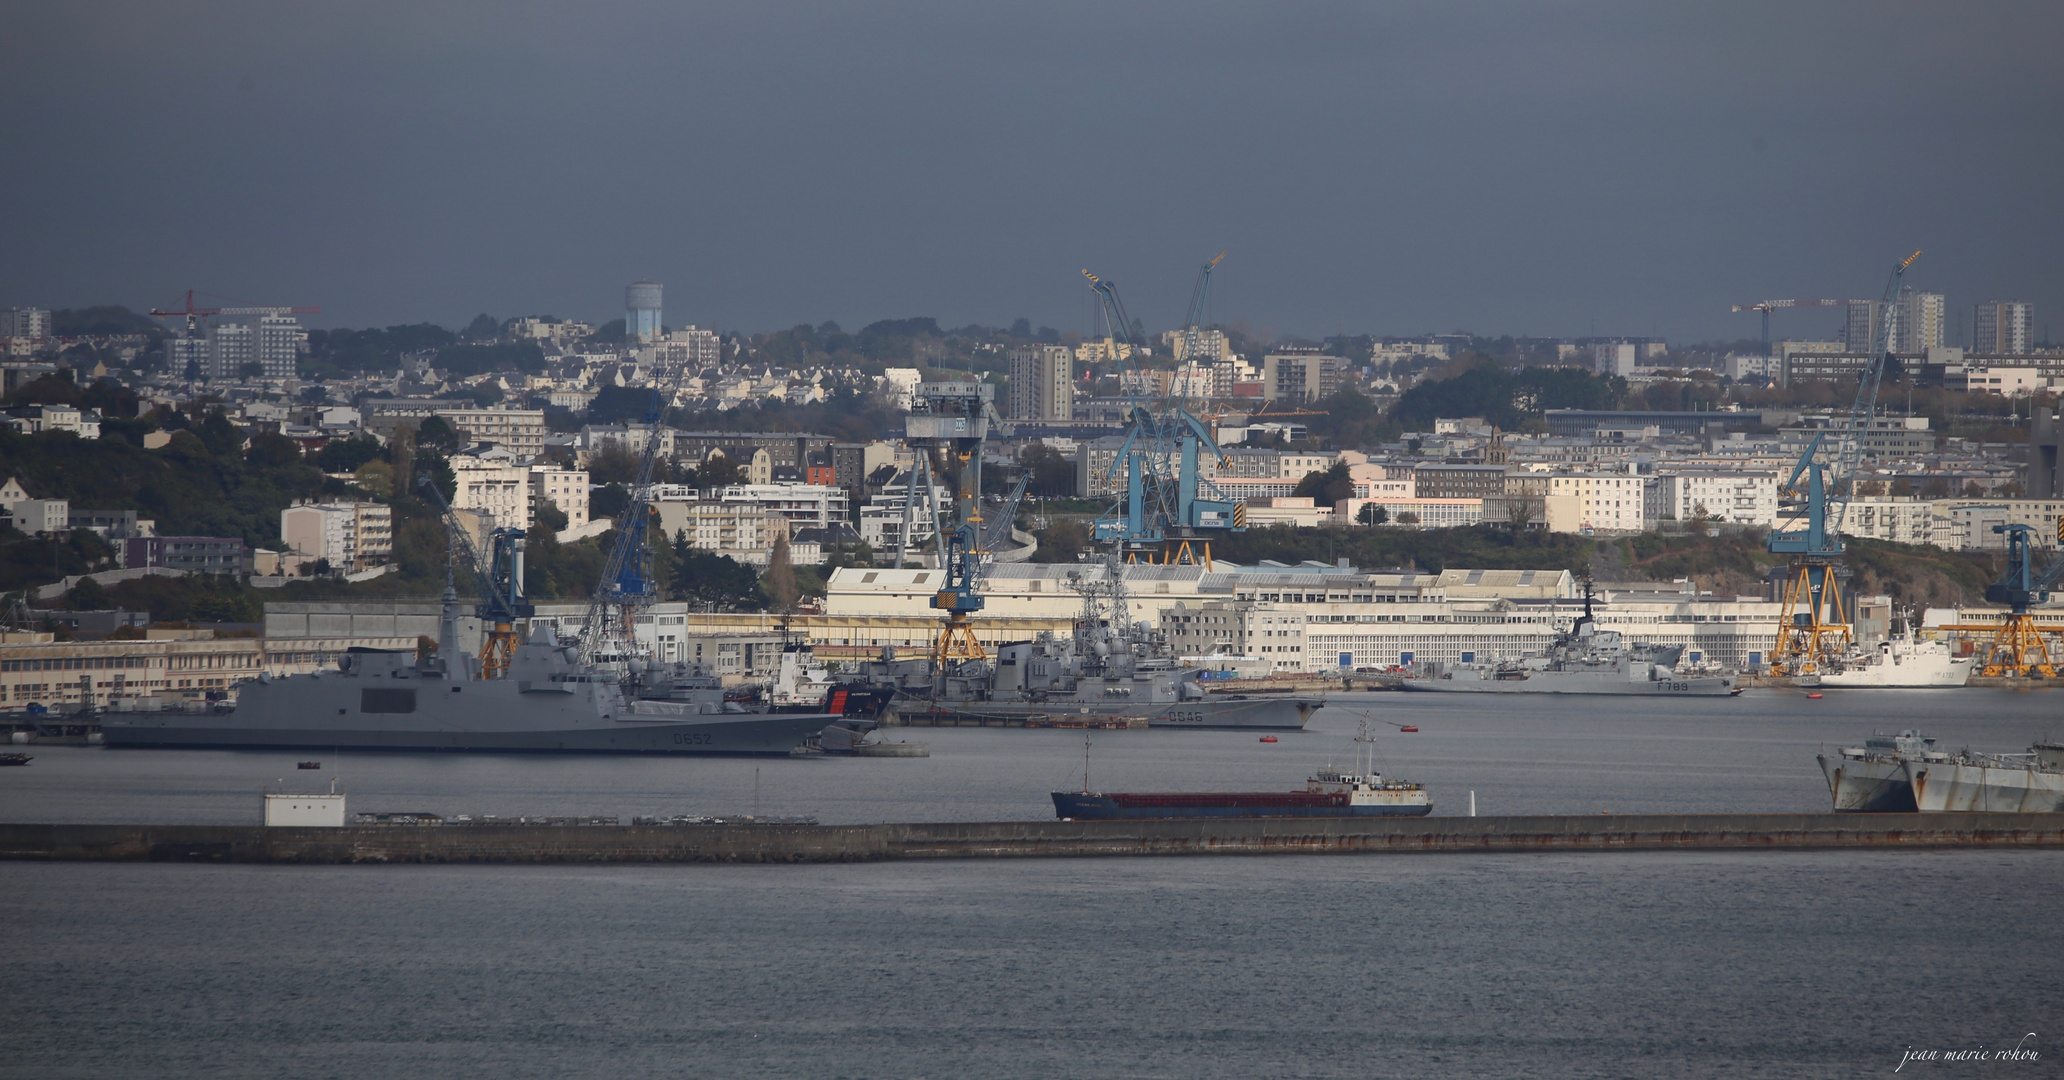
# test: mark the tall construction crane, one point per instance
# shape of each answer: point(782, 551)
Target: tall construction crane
point(953, 418)
point(501, 582)
point(609, 630)
point(194, 314)
point(1767, 306)
point(1200, 297)
point(1814, 628)
point(2017, 647)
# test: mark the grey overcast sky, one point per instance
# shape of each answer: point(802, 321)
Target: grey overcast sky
point(1526, 168)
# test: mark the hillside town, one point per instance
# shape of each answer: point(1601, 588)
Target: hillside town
point(786, 451)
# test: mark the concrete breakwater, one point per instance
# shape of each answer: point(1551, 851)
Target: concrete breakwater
point(790, 843)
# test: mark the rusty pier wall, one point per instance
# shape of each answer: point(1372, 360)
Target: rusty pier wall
point(735, 843)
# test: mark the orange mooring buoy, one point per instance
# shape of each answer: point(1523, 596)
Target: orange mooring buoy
point(1815, 696)
point(1408, 727)
point(1268, 738)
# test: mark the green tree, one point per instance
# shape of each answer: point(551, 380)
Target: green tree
point(1326, 488)
point(220, 436)
point(719, 471)
point(346, 455)
point(780, 581)
point(1372, 514)
point(608, 501)
point(436, 435)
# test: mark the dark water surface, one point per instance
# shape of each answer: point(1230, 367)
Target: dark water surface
point(1613, 965)
point(1521, 755)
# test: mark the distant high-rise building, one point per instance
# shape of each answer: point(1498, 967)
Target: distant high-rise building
point(278, 346)
point(230, 347)
point(1918, 321)
point(26, 322)
point(2003, 327)
point(186, 357)
point(1299, 374)
point(1041, 386)
point(1864, 316)
point(641, 312)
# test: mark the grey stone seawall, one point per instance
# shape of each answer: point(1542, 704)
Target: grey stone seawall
point(745, 843)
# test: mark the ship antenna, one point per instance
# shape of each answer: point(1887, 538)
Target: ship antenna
point(1085, 760)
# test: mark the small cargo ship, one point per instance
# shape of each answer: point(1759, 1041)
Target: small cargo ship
point(1329, 793)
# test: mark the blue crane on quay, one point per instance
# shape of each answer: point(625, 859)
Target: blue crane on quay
point(2017, 648)
point(501, 582)
point(953, 418)
point(1813, 630)
point(1170, 512)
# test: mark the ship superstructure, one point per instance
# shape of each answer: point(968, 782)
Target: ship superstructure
point(1583, 660)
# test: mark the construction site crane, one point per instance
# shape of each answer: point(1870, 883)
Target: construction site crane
point(1193, 322)
point(194, 314)
point(500, 576)
point(1813, 629)
point(1768, 306)
point(2017, 647)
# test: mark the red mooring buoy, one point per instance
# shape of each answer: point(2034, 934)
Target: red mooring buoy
point(1408, 727)
point(1815, 696)
point(1268, 738)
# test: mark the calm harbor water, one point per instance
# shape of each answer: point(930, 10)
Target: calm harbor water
point(1654, 965)
point(1525, 755)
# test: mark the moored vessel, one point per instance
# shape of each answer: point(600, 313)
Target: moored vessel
point(1329, 793)
point(1584, 660)
point(1905, 773)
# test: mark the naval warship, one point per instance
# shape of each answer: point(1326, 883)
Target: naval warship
point(1585, 660)
point(1905, 773)
point(1108, 668)
point(550, 700)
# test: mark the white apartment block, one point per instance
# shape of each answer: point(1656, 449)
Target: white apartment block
point(32, 323)
point(805, 506)
point(1598, 502)
point(1739, 498)
point(519, 431)
point(1893, 519)
point(566, 488)
point(277, 342)
point(353, 536)
point(1300, 375)
point(1212, 346)
point(737, 530)
point(499, 490)
point(1967, 524)
point(691, 347)
point(1041, 383)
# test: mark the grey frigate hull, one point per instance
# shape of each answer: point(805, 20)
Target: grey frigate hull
point(383, 701)
point(1555, 682)
point(1984, 788)
point(1861, 785)
point(1234, 713)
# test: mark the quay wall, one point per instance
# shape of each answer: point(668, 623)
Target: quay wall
point(771, 843)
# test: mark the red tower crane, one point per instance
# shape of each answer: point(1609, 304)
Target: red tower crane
point(194, 315)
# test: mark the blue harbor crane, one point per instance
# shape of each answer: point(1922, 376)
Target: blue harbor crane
point(1169, 512)
point(953, 418)
point(2017, 647)
point(1814, 627)
point(608, 632)
point(501, 582)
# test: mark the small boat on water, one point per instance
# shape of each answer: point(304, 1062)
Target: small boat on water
point(309, 765)
point(15, 759)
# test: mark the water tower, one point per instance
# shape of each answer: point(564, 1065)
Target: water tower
point(641, 312)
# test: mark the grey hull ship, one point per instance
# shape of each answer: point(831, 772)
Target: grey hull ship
point(549, 701)
point(1586, 660)
point(1905, 773)
point(1109, 670)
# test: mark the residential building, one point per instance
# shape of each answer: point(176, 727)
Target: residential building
point(1598, 502)
point(519, 431)
point(1967, 524)
point(1738, 498)
point(277, 343)
point(1212, 346)
point(1615, 358)
point(803, 505)
point(193, 554)
point(566, 489)
point(231, 346)
point(1890, 518)
point(1918, 321)
point(738, 530)
point(1450, 480)
point(31, 323)
point(496, 488)
point(40, 517)
point(2003, 327)
point(691, 347)
point(1300, 374)
point(350, 536)
point(1041, 383)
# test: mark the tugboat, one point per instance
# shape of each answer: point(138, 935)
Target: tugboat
point(1329, 793)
